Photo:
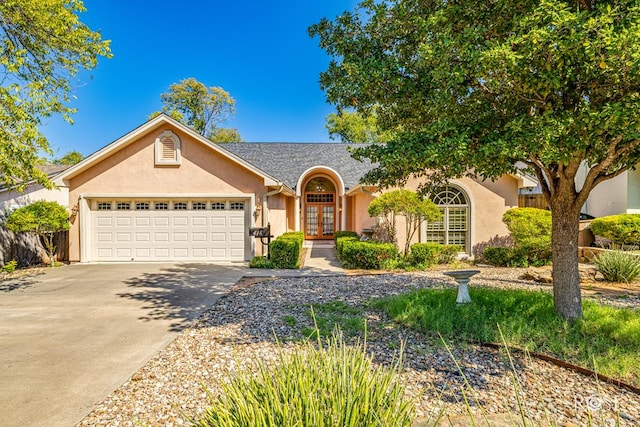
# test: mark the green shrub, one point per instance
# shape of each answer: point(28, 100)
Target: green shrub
point(425, 254)
point(449, 253)
point(10, 266)
point(261, 262)
point(526, 224)
point(330, 385)
point(622, 229)
point(368, 255)
point(340, 241)
point(497, 255)
point(618, 266)
point(530, 229)
point(535, 252)
point(285, 250)
point(338, 234)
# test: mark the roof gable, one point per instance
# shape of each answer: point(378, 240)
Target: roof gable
point(288, 161)
point(151, 125)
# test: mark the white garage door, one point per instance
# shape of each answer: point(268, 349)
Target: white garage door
point(166, 230)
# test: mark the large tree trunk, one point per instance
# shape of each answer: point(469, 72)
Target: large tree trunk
point(565, 215)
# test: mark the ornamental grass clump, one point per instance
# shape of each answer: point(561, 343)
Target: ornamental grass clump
point(330, 385)
point(618, 266)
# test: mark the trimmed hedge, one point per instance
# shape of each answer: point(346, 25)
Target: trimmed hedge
point(341, 238)
point(285, 250)
point(427, 254)
point(367, 255)
point(530, 229)
point(339, 234)
point(621, 229)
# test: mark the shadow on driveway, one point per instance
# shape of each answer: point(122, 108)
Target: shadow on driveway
point(181, 292)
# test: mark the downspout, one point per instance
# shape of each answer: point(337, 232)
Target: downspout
point(265, 203)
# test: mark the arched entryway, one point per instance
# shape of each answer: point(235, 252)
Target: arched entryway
point(319, 197)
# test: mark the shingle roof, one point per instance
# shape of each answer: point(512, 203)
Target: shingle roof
point(288, 161)
point(51, 170)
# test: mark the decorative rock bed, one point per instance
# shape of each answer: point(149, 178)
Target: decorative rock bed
point(240, 329)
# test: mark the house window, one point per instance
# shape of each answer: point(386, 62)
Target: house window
point(123, 206)
point(199, 206)
point(142, 206)
point(167, 149)
point(161, 206)
point(453, 229)
point(104, 206)
point(217, 206)
point(237, 206)
point(180, 206)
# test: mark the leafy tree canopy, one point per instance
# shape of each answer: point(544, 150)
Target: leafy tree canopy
point(201, 108)
point(43, 46)
point(409, 204)
point(479, 85)
point(71, 158)
point(355, 127)
point(42, 218)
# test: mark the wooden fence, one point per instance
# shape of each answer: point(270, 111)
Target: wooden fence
point(24, 248)
point(532, 201)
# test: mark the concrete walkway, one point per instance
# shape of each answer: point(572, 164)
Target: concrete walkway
point(321, 260)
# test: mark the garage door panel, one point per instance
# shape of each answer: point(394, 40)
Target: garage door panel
point(143, 253)
point(123, 221)
point(199, 236)
point(180, 253)
point(161, 237)
point(180, 221)
point(123, 253)
point(161, 253)
point(161, 221)
point(199, 221)
point(180, 237)
point(143, 237)
point(105, 253)
point(123, 237)
point(105, 237)
point(218, 222)
point(103, 221)
point(166, 235)
point(219, 253)
point(236, 237)
point(236, 253)
point(200, 253)
point(144, 221)
point(236, 222)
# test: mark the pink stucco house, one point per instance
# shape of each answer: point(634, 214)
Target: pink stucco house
point(163, 192)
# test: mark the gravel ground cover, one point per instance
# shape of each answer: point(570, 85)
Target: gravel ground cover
point(242, 327)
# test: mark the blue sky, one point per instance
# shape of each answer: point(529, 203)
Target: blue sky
point(259, 52)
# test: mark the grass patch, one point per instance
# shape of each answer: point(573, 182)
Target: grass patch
point(606, 339)
point(332, 315)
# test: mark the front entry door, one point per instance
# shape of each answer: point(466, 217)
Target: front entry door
point(320, 221)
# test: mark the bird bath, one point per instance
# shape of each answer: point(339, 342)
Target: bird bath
point(462, 278)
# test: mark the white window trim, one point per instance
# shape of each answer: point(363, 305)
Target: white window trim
point(159, 161)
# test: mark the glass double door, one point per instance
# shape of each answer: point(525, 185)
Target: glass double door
point(320, 221)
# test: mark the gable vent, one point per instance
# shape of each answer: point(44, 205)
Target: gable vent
point(167, 149)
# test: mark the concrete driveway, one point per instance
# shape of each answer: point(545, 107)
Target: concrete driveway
point(72, 335)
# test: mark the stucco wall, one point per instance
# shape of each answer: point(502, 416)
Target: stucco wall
point(10, 200)
point(488, 200)
point(132, 170)
point(633, 191)
point(361, 219)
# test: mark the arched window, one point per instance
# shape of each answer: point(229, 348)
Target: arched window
point(453, 229)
